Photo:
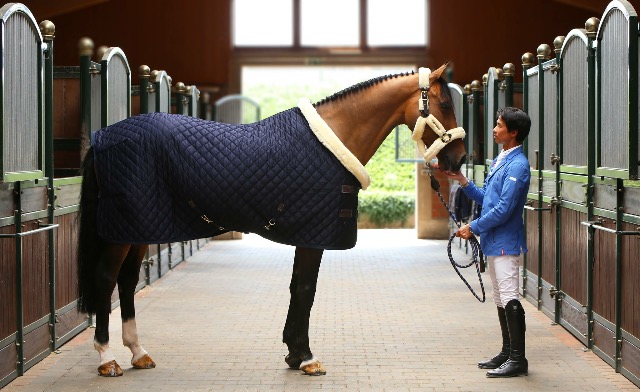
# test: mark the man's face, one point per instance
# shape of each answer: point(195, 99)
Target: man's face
point(501, 135)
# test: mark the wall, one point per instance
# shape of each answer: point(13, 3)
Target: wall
point(476, 35)
point(191, 39)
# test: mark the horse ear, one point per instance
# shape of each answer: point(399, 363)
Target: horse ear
point(437, 74)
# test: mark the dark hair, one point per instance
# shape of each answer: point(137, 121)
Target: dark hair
point(516, 120)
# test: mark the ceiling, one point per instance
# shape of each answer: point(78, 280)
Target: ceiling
point(47, 9)
point(597, 6)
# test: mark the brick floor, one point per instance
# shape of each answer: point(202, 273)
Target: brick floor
point(389, 315)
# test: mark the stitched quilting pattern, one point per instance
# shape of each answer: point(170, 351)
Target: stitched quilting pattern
point(166, 178)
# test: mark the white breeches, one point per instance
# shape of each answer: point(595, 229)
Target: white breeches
point(504, 271)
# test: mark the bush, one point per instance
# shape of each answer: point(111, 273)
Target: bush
point(382, 207)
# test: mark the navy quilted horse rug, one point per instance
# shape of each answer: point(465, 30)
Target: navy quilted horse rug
point(167, 178)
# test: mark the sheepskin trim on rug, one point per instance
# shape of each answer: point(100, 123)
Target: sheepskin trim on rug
point(329, 139)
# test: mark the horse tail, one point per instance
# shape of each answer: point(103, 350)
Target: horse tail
point(90, 245)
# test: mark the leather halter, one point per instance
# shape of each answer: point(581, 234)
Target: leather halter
point(444, 137)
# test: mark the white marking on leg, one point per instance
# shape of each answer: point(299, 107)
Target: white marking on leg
point(104, 351)
point(308, 362)
point(130, 339)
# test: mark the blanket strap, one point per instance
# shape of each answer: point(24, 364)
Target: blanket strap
point(349, 189)
point(272, 221)
point(204, 216)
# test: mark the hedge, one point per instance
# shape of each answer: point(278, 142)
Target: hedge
point(384, 207)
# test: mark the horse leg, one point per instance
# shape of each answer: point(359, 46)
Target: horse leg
point(127, 281)
point(109, 263)
point(306, 266)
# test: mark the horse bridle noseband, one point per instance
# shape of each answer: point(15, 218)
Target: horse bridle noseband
point(444, 137)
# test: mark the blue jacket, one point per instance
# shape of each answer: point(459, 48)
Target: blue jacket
point(502, 197)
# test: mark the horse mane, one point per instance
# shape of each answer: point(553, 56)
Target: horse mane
point(360, 87)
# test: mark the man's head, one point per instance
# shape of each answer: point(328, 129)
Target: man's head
point(516, 120)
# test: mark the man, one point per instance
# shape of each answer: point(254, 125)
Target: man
point(502, 236)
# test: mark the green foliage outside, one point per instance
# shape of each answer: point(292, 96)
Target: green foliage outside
point(385, 207)
point(390, 197)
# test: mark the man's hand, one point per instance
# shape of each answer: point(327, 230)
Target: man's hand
point(464, 232)
point(458, 176)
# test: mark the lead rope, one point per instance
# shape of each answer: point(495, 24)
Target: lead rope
point(476, 259)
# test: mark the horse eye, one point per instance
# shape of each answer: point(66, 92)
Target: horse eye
point(445, 105)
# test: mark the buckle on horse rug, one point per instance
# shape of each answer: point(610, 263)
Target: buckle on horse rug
point(204, 217)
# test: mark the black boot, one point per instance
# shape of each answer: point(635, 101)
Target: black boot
point(502, 357)
point(517, 364)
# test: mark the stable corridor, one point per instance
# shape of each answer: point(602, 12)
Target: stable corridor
point(390, 315)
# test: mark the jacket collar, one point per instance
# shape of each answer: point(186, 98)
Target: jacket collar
point(504, 161)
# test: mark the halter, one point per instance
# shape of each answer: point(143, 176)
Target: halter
point(444, 137)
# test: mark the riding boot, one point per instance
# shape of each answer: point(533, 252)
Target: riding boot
point(502, 357)
point(517, 364)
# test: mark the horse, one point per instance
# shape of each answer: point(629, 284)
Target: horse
point(355, 122)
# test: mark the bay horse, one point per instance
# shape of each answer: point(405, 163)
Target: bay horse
point(360, 117)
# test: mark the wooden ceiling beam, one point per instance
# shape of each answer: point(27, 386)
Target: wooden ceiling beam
point(47, 9)
point(597, 6)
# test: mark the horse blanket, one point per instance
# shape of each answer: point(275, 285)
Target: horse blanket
point(167, 178)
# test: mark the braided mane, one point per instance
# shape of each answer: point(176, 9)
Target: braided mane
point(359, 87)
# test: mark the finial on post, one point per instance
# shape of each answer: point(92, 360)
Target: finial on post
point(527, 60)
point(85, 46)
point(101, 51)
point(509, 69)
point(48, 30)
point(591, 25)
point(154, 75)
point(543, 51)
point(144, 71)
point(557, 44)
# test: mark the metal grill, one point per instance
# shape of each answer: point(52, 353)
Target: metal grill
point(237, 109)
point(550, 116)
point(193, 102)
point(456, 96)
point(574, 100)
point(472, 148)
point(164, 91)
point(502, 97)
point(117, 74)
point(614, 90)
point(533, 140)
point(96, 102)
point(162, 97)
point(490, 119)
point(22, 108)
point(406, 150)
point(151, 105)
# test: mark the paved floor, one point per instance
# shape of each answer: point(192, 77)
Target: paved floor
point(390, 315)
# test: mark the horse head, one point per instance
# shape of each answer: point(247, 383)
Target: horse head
point(440, 105)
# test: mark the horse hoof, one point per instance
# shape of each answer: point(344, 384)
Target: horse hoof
point(313, 367)
point(110, 369)
point(144, 362)
point(293, 361)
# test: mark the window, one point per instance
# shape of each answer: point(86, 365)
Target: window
point(330, 23)
point(262, 23)
point(389, 23)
